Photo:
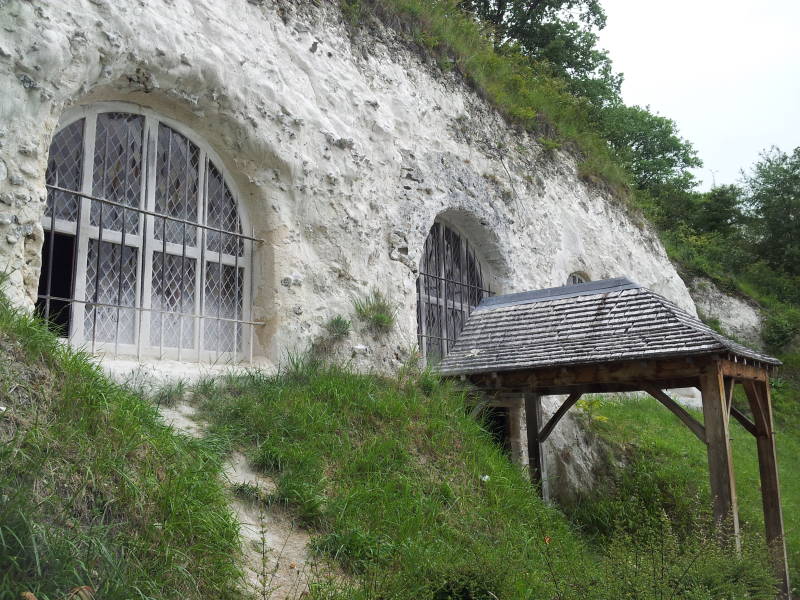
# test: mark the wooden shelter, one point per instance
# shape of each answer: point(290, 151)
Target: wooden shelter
point(617, 336)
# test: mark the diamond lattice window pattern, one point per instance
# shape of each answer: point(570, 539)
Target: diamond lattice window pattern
point(164, 281)
point(117, 170)
point(222, 214)
point(177, 181)
point(110, 280)
point(65, 170)
point(173, 301)
point(223, 300)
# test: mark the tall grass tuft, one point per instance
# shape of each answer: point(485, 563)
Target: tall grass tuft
point(95, 490)
point(377, 312)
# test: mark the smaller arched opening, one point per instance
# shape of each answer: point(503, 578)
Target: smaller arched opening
point(452, 281)
point(578, 277)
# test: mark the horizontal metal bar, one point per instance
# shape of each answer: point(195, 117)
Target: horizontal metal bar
point(143, 211)
point(454, 282)
point(436, 337)
point(152, 310)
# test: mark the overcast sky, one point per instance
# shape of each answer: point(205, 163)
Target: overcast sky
point(727, 71)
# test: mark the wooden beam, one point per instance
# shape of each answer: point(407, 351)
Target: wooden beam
point(680, 412)
point(744, 421)
point(562, 410)
point(533, 419)
point(615, 388)
point(758, 395)
point(616, 376)
point(729, 383)
point(744, 371)
point(756, 407)
point(720, 458)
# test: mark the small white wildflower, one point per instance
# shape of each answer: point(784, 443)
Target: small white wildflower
point(485, 478)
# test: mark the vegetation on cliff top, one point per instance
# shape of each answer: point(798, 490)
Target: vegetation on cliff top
point(538, 64)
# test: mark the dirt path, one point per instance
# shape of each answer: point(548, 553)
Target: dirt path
point(276, 550)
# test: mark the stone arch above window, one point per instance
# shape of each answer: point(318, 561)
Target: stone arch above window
point(577, 278)
point(144, 248)
point(452, 281)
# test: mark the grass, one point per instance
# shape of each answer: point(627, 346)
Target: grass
point(667, 469)
point(338, 328)
point(377, 312)
point(95, 490)
point(409, 497)
point(406, 495)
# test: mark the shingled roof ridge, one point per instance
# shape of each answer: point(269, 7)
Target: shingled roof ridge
point(586, 290)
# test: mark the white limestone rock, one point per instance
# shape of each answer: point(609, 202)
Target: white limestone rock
point(344, 150)
point(739, 318)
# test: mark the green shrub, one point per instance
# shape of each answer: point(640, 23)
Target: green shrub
point(660, 471)
point(780, 328)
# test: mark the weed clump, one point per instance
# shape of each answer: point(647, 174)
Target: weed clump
point(338, 328)
point(377, 312)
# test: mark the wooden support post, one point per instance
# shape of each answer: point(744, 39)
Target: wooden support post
point(758, 396)
point(518, 445)
point(533, 419)
point(720, 459)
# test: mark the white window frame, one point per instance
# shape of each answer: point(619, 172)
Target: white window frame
point(141, 346)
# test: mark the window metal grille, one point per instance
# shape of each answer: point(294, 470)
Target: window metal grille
point(450, 285)
point(144, 252)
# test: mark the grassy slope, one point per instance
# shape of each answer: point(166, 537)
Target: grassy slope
point(95, 491)
point(677, 460)
point(389, 473)
point(408, 495)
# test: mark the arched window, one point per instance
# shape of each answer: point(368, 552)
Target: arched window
point(577, 278)
point(144, 248)
point(450, 285)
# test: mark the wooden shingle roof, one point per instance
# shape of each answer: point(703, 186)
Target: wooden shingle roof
point(602, 321)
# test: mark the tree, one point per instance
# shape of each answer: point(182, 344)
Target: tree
point(773, 187)
point(651, 148)
point(719, 210)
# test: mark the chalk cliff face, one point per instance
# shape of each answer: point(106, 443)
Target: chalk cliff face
point(738, 318)
point(344, 151)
